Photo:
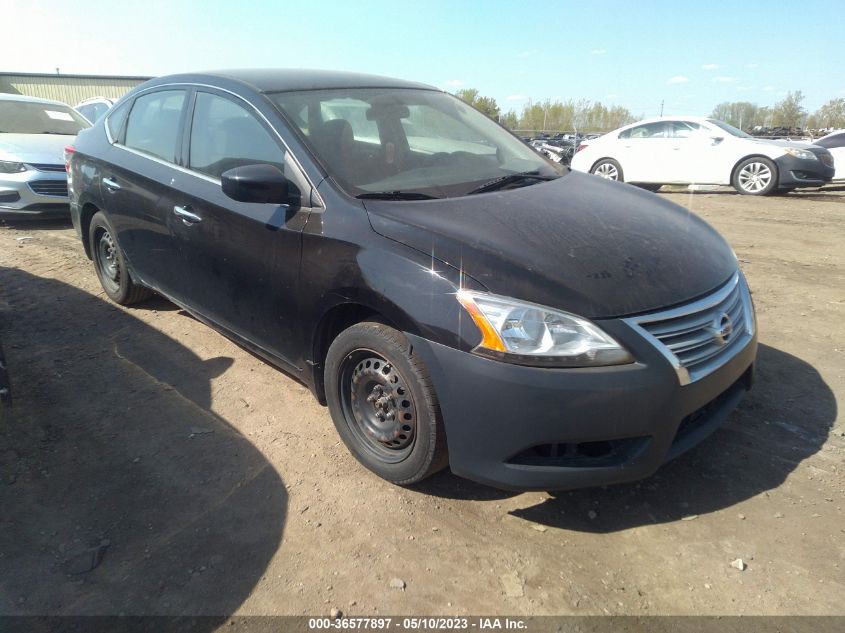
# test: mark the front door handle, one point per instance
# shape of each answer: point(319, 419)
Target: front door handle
point(188, 216)
point(110, 184)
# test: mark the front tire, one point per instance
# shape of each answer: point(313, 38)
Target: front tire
point(383, 404)
point(649, 186)
point(755, 176)
point(608, 169)
point(110, 263)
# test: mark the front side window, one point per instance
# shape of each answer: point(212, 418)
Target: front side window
point(32, 117)
point(408, 141)
point(225, 135)
point(683, 129)
point(153, 125)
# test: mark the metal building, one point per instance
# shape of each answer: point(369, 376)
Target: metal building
point(70, 89)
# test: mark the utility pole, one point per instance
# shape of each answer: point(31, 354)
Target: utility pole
point(661, 107)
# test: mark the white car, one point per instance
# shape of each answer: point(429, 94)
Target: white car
point(698, 150)
point(835, 144)
point(92, 109)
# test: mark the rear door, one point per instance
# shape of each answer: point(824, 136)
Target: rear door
point(238, 262)
point(137, 183)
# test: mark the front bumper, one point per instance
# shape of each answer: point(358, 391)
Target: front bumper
point(529, 428)
point(800, 172)
point(35, 193)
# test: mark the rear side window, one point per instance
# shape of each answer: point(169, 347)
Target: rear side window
point(225, 135)
point(832, 142)
point(153, 125)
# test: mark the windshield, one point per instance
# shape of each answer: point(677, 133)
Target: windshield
point(730, 129)
point(408, 141)
point(31, 117)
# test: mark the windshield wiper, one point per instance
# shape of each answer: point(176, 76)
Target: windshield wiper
point(504, 181)
point(395, 195)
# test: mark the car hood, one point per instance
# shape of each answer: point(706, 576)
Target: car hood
point(35, 148)
point(579, 243)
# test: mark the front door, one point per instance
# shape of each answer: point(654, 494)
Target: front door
point(239, 262)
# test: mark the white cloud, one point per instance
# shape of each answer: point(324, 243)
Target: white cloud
point(612, 95)
point(710, 66)
point(454, 83)
point(723, 79)
point(598, 51)
point(516, 97)
point(752, 65)
point(678, 79)
point(525, 54)
point(768, 88)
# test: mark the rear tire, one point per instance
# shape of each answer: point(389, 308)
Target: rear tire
point(383, 404)
point(110, 263)
point(755, 176)
point(608, 169)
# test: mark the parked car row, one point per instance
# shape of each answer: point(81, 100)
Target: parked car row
point(699, 150)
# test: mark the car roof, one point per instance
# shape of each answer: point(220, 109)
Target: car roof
point(679, 117)
point(10, 97)
point(834, 133)
point(268, 80)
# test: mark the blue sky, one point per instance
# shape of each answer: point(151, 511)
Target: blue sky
point(690, 54)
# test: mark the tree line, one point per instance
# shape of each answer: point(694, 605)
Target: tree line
point(593, 116)
point(788, 113)
point(548, 115)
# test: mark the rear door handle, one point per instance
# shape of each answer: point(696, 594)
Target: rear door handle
point(110, 184)
point(188, 216)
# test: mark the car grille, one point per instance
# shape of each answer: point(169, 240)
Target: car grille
point(827, 159)
point(56, 188)
point(47, 167)
point(700, 337)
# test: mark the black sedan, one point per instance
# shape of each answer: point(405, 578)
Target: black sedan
point(454, 297)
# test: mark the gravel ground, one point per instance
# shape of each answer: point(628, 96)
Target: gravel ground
point(150, 466)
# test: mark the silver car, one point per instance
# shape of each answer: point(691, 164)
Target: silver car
point(33, 135)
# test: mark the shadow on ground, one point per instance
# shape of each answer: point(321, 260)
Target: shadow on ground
point(121, 492)
point(784, 420)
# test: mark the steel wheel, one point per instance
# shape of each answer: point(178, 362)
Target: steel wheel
point(608, 169)
point(383, 403)
point(108, 262)
point(378, 405)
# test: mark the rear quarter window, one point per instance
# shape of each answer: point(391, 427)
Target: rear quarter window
point(116, 119)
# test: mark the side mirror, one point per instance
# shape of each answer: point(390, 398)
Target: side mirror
point(256, 183)
point(717, 139)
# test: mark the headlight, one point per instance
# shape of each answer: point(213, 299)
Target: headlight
point(11, 168)
point(800, 153)
point(530, 334)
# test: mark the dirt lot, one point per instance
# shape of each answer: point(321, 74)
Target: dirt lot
point(196, 479)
